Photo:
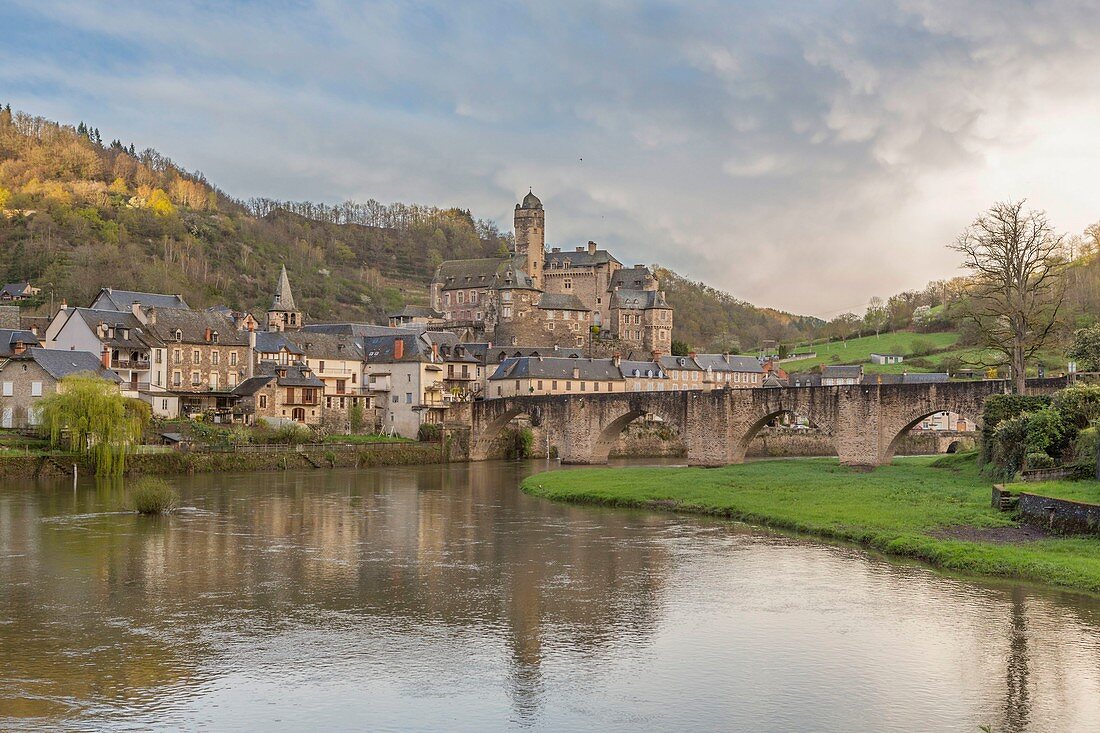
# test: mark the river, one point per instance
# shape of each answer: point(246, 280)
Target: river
point(442, 598)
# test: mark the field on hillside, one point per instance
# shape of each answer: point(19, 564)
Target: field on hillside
point(858, 351)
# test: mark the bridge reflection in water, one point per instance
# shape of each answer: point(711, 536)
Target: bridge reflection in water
point(865, 422)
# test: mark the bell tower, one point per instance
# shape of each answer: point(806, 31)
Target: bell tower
point(530, 224)
point(283, 315)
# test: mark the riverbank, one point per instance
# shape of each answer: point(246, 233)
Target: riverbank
point(935, 510)
point(180, 462)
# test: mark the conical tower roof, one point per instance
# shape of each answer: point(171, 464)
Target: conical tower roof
point(284, 299)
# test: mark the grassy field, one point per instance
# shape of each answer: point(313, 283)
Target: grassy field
point(912, 508)
point(1086, 491)
point(361, 439)
point(908, 344)
point(858, 351)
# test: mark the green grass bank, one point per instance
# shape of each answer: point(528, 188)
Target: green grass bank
point(935, 510)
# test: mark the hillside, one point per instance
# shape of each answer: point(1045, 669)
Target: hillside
point(79, 214)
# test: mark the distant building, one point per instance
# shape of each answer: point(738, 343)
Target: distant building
point(123, 301)
point(415, 315)
point(887, 359)
point(15, 292)
point(283, 315)
point(841, 375)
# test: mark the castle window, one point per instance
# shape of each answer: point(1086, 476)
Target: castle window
point(461, 297)
point(568, 285)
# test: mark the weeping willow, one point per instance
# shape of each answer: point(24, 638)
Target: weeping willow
point(90, 416)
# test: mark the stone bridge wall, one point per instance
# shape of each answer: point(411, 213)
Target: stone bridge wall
point(866, 422)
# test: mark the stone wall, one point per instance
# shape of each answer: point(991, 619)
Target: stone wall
point(1059, 515)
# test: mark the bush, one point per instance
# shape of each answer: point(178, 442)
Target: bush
point(1084, 453)
point(920, 347)
point(153, 496)
point(1039, 460)
point(429, 432)
point(519, 442)
point(355, 417)
point(1080, 404)
point(287, 434)
point(1002, 407)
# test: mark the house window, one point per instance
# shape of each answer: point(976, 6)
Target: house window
point(232, 358)
point(554, 384)
point(164, 405)
point(178, 335)
point(196, 379)
point(177, 356)
point(213, 380)
point(214, 337)
point(263, 401)
point(9, 389)
point(36, 389)
point(506, 311)
point(177, 378)
point(461, 297)
point(568, 285)
point(568, 386)
point(196, 356)
point(408, 398)
point(215, 358)
point(232, 379)
point(540, 385)
point(157, 356)
point(321, 366)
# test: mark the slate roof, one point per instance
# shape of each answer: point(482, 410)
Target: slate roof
point(731, 363)
point(122, 322)
point(272, 342)
point(290, 375)
point(325, 345)
point(10, 337)
point(674, 362)
point(16, 290)
point(577, 258)
point(380, 349)
point(193, 324)
point(631, 278)
point(638, 299)
point(284, 298)
point(556, 368)
point(650, 369)
point(58, 363)
point(487, 272)
point(561, 302)
point(252, 385)
point(414, 311)
point(123, 300)
point(358, 329)
point(494, 352)
point(531, 201)
point(842, 371)
point(804, 379)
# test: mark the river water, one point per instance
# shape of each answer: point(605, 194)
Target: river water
point(441, 598)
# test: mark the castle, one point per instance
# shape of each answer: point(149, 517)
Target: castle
point(584, 298)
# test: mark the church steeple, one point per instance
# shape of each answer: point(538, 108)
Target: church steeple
point(283, 314)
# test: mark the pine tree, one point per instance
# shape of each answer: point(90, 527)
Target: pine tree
point(82, 128)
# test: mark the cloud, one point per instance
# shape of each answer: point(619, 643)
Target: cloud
point(800, 155)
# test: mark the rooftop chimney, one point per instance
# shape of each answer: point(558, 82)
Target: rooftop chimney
point(616, 359)
point(105, 358)
point(656, 355)
point(576, 372)
point(435, 352)
point(580, 249)
point(691, 354)
point(726, 356)
point(591, 247)
point(398, 348)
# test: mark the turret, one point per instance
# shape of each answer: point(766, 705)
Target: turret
point(530, 224)
point(283, 315)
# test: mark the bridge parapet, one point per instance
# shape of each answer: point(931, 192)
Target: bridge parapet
point(865, 421)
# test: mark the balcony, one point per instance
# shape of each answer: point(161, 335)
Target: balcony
point(129, 363)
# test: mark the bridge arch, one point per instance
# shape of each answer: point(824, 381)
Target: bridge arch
point(609, 434)
point(488, 433)
point(897, 431)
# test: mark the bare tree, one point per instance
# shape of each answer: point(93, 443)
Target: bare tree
point(1015, 259)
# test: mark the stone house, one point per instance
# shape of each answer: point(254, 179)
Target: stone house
point(338, 361)
point(548, 375)
point(644, 376)
point(281, 393)
point(205, 358)
point(14, 342)
point(887, 359)
point(414, 315)
point(27, 377)
point(683, 372)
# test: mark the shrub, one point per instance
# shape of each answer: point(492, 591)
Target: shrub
point(519, 442)
point(1080, 404)
point(1039, 460)
point(1084, 453)
point(286, 434)
point(355, 417)
point(429, 432)
point(1002, 407)
point(920, 347)
point(153, 496)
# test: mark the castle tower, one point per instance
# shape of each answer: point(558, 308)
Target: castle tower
point(530, 224)
point(283, 315)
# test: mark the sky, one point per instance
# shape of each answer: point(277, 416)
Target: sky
point(799, 155)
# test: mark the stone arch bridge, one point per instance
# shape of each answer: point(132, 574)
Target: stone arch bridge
point(865, 422)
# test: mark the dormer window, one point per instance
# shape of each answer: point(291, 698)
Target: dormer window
point(178, 335)
point(214, 337)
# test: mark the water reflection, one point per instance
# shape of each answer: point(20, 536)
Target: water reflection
point(441, 597)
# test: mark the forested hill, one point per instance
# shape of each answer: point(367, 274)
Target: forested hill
point(78, 213)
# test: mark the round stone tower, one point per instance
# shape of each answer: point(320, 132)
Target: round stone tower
point(530, 224)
